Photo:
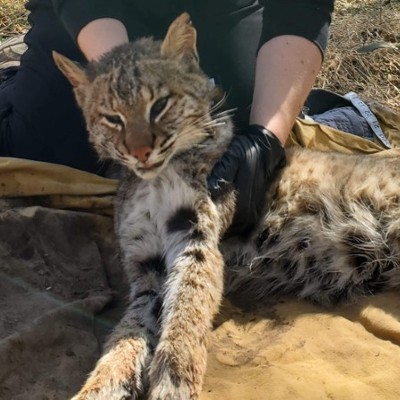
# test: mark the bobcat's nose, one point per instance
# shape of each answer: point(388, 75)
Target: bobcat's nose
point(142, 153)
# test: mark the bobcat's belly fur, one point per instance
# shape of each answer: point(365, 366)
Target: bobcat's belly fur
point(331, 231)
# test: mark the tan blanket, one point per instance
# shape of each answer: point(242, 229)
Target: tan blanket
point(62, 289)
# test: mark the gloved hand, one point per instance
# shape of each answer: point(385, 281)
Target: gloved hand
point(250, 164)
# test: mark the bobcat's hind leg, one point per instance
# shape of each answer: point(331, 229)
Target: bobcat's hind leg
point(120, 372)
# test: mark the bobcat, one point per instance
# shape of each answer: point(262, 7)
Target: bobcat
point(331, 229)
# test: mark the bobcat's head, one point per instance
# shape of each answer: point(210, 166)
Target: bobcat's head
point(145, 101)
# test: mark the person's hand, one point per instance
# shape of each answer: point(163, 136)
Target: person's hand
point(250, 164)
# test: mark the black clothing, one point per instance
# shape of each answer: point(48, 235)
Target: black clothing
point(39, 118)
point(307, 18)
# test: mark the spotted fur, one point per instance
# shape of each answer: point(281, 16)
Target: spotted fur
point(330, 231)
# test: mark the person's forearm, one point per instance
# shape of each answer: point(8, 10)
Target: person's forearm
point(100, 36)
point(286, 69)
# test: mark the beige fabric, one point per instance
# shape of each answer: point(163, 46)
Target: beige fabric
point(62, 187)
point(59, 269)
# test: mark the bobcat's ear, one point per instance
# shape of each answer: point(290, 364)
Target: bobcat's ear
point(180, 39)
point(75, 74)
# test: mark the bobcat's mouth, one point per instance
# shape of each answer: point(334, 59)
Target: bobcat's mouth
point(148, 171)
point(149, 167)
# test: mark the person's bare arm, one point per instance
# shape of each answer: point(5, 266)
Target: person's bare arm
point(100, 36)
point(285, 72)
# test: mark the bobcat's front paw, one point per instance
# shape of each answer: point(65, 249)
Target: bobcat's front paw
point(169, 388)
point(176, 375)
point(110, 388)
point(105, 393)
point(118, 374)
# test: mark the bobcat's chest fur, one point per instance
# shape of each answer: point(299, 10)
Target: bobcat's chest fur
point(158, 199)
point(154, 215)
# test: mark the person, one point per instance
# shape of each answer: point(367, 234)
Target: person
point(266, 54)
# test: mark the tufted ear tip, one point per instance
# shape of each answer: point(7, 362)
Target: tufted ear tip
point(71, 70)
point(180, 39)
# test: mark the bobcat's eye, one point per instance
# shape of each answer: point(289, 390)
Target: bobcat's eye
point(115, 121)
point(158, 107)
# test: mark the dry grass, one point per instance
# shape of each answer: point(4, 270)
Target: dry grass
point(373, 75)
point(13, 18)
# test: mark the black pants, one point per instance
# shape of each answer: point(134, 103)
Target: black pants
point(39, 119)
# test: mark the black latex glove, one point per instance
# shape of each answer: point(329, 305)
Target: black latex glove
point(250, 164)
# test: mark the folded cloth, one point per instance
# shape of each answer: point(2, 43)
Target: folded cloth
point(307, 132)
point(321, 100)
point(346, 119)
point(56, 186)
point(11, 51)
point(339, 112)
